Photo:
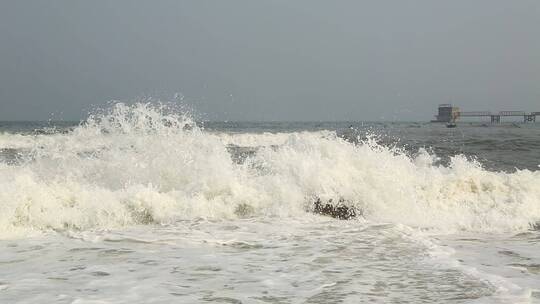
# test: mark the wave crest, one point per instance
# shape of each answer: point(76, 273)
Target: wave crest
point(146, 163)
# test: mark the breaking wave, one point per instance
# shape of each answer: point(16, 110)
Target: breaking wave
point(149, 164)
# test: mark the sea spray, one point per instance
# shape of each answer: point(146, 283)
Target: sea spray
point(148, 164)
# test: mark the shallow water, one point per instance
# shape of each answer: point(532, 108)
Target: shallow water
point(140, 204)
point(249, 261)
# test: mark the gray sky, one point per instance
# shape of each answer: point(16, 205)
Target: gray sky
point(270, 60)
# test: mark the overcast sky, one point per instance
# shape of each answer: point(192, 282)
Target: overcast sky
point(270, 60)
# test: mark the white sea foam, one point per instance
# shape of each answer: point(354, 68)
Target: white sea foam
point(487, 268)
point(146, 164)
point(16, 141)
point(310, 259)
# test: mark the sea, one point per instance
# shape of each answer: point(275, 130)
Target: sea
point(143, 203)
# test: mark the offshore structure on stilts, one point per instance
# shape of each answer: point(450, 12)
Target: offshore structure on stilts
point(449, 114)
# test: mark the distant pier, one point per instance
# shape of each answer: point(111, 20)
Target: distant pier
point(450, 114)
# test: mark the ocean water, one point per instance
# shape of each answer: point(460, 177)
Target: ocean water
point(141, 204)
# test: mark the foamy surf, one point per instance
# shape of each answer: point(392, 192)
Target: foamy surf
point(145, 164)
point(313, 259)
point(139, 202)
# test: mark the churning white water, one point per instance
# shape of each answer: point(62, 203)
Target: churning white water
point(138, 204)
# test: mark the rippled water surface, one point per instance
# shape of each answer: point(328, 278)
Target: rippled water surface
point(263, 260)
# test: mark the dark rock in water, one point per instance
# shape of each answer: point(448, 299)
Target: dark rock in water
point(338, 211)
point(244, 210)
